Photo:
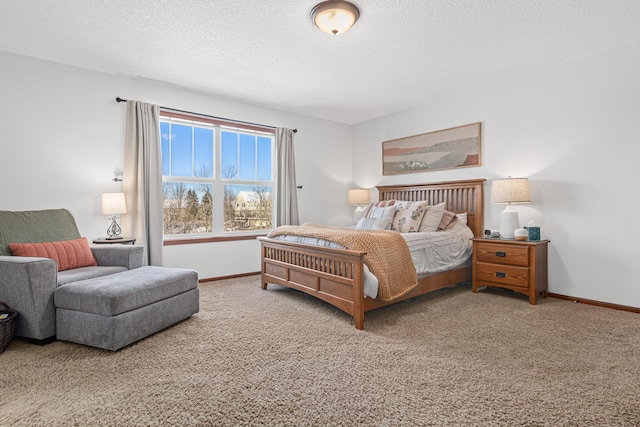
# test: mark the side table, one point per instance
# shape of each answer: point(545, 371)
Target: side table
point(122, 241)
point(517, 265)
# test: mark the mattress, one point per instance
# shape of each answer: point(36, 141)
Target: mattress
point(432, 253)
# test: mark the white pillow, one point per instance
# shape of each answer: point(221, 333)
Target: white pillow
point(462, 218)
point(373, 224)
point(432, 218)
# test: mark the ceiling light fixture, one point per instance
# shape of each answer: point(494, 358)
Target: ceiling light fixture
point(335, 16)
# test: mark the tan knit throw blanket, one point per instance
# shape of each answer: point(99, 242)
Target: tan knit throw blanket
point(387, 257)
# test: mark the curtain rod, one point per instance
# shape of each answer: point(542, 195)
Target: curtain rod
point(118, 99)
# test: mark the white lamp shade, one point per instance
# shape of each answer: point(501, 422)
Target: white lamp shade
point(358, 196)
point(113, 203)
point(335, 16)
point(511, 190)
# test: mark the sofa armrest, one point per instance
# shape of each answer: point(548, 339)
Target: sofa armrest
point(129, 256)
point(27, 285)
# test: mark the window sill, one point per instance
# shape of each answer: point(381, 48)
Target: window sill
point(210, 239)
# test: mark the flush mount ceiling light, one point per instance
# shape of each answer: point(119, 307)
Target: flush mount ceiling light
point(335, 16)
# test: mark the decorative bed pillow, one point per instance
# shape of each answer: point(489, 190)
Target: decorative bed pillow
point(462, 218)
point(373, 224)
point(432, 218)
point(67, 254)
point(382, 209)
point(381, 212)
point(408, 217)
point(447, 221)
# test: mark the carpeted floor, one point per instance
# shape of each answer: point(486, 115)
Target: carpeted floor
point(279, 357)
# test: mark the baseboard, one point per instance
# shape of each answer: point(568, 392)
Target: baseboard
point(233, 276)
point(597, 303)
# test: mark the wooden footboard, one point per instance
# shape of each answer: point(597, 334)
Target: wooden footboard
point(332, 275)
point(337, 275)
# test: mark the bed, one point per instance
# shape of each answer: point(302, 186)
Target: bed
point(336, 275)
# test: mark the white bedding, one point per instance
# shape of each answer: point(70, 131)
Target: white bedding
point(431, 252)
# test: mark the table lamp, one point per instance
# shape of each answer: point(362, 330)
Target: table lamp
point(113, 204)
point(511, 190)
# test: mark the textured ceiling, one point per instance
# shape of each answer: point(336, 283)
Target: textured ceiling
point(400, 54)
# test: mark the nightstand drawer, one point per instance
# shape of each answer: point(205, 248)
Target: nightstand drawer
point(502, 254)
point(503, 274)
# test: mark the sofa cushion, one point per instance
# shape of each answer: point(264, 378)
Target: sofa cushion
point(36, 226)
point(84, 273)
point(122, 292)
point(67, 254)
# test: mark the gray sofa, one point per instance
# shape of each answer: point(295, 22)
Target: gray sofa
point(28, 284)
point(108, 306)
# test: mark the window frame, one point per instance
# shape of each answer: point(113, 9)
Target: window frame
point(217, 182)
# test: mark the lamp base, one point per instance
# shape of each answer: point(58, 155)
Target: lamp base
point(508, 222)
point(114, 238)
point(357, 214)
point(114, 230)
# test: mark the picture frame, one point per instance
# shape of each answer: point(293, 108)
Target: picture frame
point(456, 147)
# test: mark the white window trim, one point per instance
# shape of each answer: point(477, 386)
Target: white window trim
point(218, 182)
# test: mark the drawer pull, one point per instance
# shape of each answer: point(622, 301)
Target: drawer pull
point(501, 274)
point(501, 254)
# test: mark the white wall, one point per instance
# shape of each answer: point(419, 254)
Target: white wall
point(573, 131)
point(63, 137)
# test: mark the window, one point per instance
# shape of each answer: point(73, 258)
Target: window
point(217, 177)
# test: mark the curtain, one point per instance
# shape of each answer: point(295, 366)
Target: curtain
point(142, 178)
point(286, 197)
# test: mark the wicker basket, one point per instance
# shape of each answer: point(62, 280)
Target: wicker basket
point(7, 325)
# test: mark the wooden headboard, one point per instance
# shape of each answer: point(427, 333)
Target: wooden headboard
point(459, 196)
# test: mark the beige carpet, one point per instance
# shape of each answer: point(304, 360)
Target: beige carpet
point(279, 357)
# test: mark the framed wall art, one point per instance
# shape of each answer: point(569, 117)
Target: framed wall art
point(451, 148)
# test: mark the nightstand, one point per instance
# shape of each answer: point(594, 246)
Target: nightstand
point(511, 264)
point(122, 241)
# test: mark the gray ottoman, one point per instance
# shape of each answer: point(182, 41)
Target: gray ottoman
point(113, 311)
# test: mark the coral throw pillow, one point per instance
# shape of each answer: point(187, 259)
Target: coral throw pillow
point(67, 254)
